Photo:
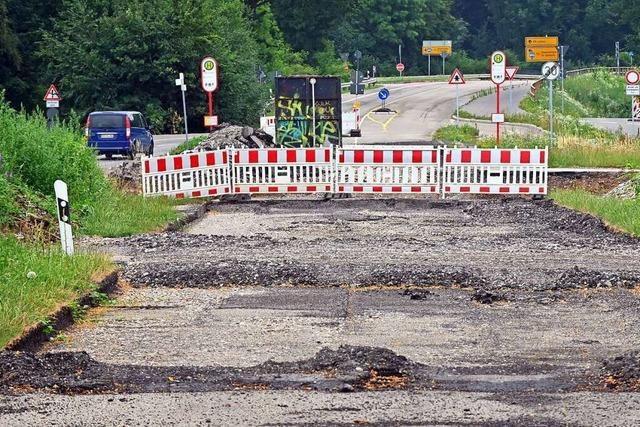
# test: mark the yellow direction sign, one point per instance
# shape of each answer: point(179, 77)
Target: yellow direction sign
point(357, 105)
point(545, 41)
point(541, 54)
point(436, 47)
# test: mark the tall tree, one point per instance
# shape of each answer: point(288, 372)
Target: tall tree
point(126, 54)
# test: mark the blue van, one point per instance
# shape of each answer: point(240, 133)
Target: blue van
point(119, 132)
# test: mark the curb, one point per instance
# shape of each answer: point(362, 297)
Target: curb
point(189, 218)
point(489, 122)
point(36, 335)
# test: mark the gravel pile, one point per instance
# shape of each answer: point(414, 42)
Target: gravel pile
point(230, 136)
point(128, 174)
point(627, 190)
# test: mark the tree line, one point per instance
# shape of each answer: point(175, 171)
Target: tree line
point(126, 54)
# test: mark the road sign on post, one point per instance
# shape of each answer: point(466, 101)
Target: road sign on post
point(400, 67)
point(457, 79)
point(498, 76)
point(209, 82)
point(633, 89)
point(52, 99)
point(511, 74)
point(541, 49)
point(550, 71)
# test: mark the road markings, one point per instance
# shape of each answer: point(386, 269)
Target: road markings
point(383, 124)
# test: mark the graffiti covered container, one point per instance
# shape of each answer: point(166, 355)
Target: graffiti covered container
point(298, 101)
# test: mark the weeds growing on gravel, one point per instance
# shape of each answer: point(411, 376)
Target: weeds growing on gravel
point(34, 280)
point(451, 134)
point(193, 142)
point(620, 214)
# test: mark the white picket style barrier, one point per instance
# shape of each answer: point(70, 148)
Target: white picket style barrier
point(193, 175)
point(390, 169)
point(371, 169)
point(282, 170)
point(495, 171)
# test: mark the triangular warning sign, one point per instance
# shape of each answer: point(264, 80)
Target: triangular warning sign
point(511, 72)
point(52, 94)
point(456, 78)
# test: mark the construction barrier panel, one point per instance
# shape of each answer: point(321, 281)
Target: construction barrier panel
point(205, 174)
point(396, 169)
point(495, 171)
point(282, 170)
point(374, 169)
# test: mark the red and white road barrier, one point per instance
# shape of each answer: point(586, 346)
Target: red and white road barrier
point(495, 171)
point(205, 174)
point(282, 170)
point(388, 170)
point(371, 169)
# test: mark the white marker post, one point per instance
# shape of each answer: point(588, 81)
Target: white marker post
point(313, 82)
point(183, 88)
point(64, 218)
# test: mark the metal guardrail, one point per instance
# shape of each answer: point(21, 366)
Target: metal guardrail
point(440, 78)
point(364, 81)
point(580, 71)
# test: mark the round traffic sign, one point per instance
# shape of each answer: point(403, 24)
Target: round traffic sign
point(400, 67)
point(550, 70)
point(383, 94)
point(632, 77)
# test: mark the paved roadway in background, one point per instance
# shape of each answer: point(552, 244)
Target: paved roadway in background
point(625, 126)
point(163, 145)
point(421, 109)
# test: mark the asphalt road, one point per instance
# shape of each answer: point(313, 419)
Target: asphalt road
point(419, 109)
point(625, 126)
point(360, 311)
point(163, 145)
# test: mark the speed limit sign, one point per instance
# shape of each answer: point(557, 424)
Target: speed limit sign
point(632, 77)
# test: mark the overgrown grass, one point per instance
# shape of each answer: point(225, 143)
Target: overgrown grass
point(457, 134)
point(193, 142)
point(33, 158)
point(123, 214)
point(35, 280)
point(620, 214)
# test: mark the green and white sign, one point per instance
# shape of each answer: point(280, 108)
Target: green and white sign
point(498, 67)
point(209, 73)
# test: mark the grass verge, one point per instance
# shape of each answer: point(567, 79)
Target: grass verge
point(190, 145)
point(457, 134)
point(121, 214)
point(623, 215)
point(36, 280)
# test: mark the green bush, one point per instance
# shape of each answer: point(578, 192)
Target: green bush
point(38, 157)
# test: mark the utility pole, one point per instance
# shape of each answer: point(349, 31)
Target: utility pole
point(618, 57)
point(562, 76)
point(183, 89)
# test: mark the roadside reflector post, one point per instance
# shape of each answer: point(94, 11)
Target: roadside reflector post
point(313, 82)
point(183, 89)
point(64, 216)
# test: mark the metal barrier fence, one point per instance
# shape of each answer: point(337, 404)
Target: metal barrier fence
point(388, 170)
point(282, 170)
point(495, 171)
point(192, 175)
point(374, 169)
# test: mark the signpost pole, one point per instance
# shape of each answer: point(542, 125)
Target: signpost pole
point(457, 105)
point(444, 58)
point(510, 95)
point(550, 112)
point(313, 107)
point(498, 111)
point(429, 64)
point(184, 109)
point(210, 96)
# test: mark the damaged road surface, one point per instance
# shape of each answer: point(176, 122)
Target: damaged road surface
point(353, 312)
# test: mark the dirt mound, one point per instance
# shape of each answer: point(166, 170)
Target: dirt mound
point(128, 175)
point(345, 369)
point(622, 372)
point(231, 136)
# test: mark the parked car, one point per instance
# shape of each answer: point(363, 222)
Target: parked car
point(119, 132)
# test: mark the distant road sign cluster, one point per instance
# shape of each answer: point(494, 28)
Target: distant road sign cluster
point(541, 49)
